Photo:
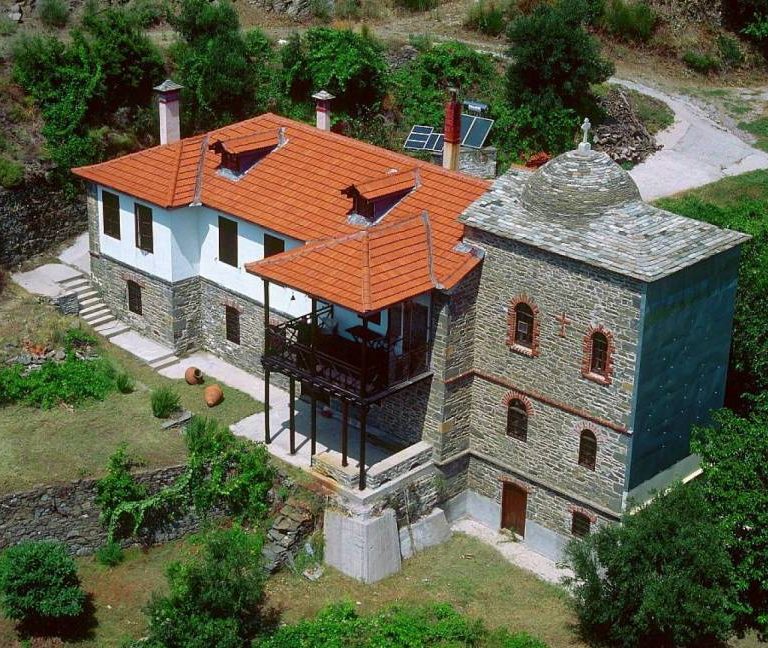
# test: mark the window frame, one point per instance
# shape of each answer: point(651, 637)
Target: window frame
point(598, 335)
point(142, 213)
point(274, 240)
point(577, 530)
point(588, 456)
point(133, 293)
point(529, 349)
point(524, 339)
point(228, 249)
point(110, 223)
point(518, 406)
point(232, 319)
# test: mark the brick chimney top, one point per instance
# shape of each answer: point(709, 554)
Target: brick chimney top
point(168, 107)
point(453, 118)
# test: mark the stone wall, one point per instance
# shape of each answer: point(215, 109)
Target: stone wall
point(68, 513)
point(35, 217)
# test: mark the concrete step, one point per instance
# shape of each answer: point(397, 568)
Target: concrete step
point(111, 329)
point(100, 319)
point(87, 294)
point(164, 361)
point(91, 308)
point(74, 282)
point(90, 301)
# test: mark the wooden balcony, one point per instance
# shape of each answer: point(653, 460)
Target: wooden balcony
point(361, 371)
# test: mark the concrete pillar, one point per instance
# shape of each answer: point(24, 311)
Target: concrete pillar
point(168, 107)
point(323, 109)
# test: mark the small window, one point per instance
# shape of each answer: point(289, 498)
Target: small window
point(232, 316)
point(110, 209)
point(588, 449)
point(134, 297)
point(598, 363)
point(517, 420)
point(144, 228)
point(524, 325)
point(580, 524)
point(273, 245)
point(228, 241)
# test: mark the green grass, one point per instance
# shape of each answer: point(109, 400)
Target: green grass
point(43, 446)
point(652, 112)
point(729, 192)
point(758, 128)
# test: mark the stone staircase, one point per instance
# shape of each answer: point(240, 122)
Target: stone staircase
point(96, 313)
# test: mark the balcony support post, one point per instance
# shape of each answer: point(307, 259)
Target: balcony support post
point(363, 438)
point(292, 415)
point(267, 438)
point(344, 431)
point(363, 406)
point(313, 415)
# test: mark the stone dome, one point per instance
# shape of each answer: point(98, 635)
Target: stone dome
point(578, 183)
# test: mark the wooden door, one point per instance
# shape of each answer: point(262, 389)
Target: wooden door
point(513, 504)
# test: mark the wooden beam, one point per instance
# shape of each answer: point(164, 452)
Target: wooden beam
point(292, 415)
point(344, 431)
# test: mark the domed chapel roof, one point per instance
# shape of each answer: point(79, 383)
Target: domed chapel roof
point(578, 183)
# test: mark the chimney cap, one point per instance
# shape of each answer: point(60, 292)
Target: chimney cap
point(168, 86)
point(323, 95)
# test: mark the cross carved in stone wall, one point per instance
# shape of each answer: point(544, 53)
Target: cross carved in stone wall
point(563, 321)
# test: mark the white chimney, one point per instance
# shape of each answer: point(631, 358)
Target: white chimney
point(323, 109)
point(168, 107)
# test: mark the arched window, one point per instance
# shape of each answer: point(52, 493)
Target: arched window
point(517, 419)
point(580, 524)
point(588, 449)
point(524, 325)
point(598, 363)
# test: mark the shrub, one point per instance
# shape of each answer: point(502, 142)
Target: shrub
point(215, 598)
point(8, 27)
point(487, 17)
point(165, 401)
point(731, 55)
point(554, 59)
point(110, 554)
point(148, 13)
point(39, 583)
point(11, 173)
point(700, 62)
point(632, 21)
point(73, 382)
point(76, 338)
point(53, 13)
point(631, 581)
point(124, 383)
point(115, 489)
point(321, 9)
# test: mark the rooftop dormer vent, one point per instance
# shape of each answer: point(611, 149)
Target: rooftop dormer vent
point(374, 198)
point(238, 154)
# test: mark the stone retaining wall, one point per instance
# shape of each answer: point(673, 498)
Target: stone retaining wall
point(36, 216)
point(68, 513)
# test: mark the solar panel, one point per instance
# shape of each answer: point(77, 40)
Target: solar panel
point(476, 133)
point(432, 141)
point(418, 137)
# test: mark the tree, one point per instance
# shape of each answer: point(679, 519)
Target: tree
point(348, 65)
point(554, 57)
point(226, 75)
point(734, 461)
point(39, 583)
point(215, 598)
point(662, 578)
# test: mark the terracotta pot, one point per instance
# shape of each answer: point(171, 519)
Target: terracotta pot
point(213, 395)
point(193, 376)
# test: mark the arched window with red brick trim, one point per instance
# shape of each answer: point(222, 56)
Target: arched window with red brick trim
point(597, 364)
point(523, 331)
point(580, 524)
point(588, 449)
point(517, 419)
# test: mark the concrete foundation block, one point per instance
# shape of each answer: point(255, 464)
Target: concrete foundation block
point(365, 548)
point(429, 531)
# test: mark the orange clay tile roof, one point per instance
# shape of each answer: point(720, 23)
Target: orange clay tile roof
point(255, 142)
point(296, 190)
point(388, 185)
point(370, 269)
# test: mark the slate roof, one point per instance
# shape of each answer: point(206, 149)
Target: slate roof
point(297, 190)
point(583, 206)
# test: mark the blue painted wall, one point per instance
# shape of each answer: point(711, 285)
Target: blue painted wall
point(686, 335)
